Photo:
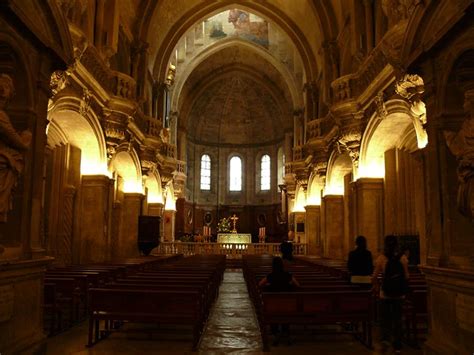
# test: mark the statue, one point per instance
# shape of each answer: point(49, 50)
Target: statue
point(12, 146)
point(461, 144)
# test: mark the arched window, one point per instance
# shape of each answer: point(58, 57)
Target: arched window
point(235, 174)
point(205, 172)
point(265, 172)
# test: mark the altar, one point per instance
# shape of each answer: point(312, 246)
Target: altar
point(234, 238)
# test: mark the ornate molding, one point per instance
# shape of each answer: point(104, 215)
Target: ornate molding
point(411, 87)
point(350, 141)
point(58, 81)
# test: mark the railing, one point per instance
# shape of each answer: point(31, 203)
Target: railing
point(168, 150)
point(123, 85)
point(298, 152)
point(231, 250)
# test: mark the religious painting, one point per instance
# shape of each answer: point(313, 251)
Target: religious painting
point(240, 24)
point(251, 29)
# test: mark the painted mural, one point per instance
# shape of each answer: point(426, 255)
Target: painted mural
point(238, 23)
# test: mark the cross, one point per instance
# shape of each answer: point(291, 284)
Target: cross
point(234, 219)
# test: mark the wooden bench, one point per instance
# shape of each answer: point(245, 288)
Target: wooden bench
point(144, 306)
point(326, 307)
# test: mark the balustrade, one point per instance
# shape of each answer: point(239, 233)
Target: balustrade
point(231, 250)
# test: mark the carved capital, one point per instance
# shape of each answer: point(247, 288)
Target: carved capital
point(58, 81)
point(380, 106)
point(350, 141)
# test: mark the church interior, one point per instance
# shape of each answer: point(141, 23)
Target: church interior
point(207, 133)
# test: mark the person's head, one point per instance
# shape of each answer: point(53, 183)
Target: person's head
point(361, 242)
point(390, 247)
point(405, 251)
point(286, 249)
point(277, 264)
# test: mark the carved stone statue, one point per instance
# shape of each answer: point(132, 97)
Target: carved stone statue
point(12, 145)
point(461, 144)
point(411, 87)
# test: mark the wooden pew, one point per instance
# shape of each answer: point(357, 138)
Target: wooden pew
point(144, 306)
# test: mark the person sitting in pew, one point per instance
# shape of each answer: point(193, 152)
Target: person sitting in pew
point(360, 263)
point(279, 280)
point(286, 249)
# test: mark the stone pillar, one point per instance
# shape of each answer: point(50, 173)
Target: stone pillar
point(332, 220)
point(21, 312)
point(348, 244)
point(93, 244)
point(369, 25)
point(368, 211)
point(156, 209)
point(169, 219)
point(126, 246)
point(313, 230)
point(288, 147)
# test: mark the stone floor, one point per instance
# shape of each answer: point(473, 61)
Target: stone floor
point(232, 329)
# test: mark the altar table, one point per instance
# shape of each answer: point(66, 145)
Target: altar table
point(234, 238)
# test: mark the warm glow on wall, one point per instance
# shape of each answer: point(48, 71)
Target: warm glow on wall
point(93, 167)
point(170, 204)
point(300, 201)
point(131, 186)
point(333, 190)
point(154, 198)
point(373, 169)
point(314, 198)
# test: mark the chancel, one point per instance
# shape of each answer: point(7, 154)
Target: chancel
point(215, 136)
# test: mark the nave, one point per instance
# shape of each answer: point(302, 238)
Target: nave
point(232, 325)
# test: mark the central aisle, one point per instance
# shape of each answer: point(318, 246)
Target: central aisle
point(232, 324)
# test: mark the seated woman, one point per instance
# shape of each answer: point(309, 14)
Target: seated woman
point(279, 280)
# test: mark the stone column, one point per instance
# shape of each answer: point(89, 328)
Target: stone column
point(368, 211)
point(369, 25)
point(126, 245)
point(332, 220)
point(288, 147)
point(156, 209)
point(313, 230)
point(94, 208)
point(169, 219)
point(348, 217)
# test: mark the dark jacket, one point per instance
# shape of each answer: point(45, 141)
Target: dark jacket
point(360, 262)
point(279, 282)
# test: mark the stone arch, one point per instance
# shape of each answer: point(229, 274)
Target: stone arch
point(297, 99)
point(339, 165)
point(315, 186)
point(153, 184)
point(202, 11)
point(80, 129)
point(396, 130)
point(300, 199)
point(126, 164)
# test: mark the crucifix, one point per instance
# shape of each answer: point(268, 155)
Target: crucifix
point(234, 219)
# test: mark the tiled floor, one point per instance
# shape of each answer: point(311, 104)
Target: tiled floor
point(232, 329)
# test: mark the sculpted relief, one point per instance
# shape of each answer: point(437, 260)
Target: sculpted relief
point(461, 144)
point(12, 146)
